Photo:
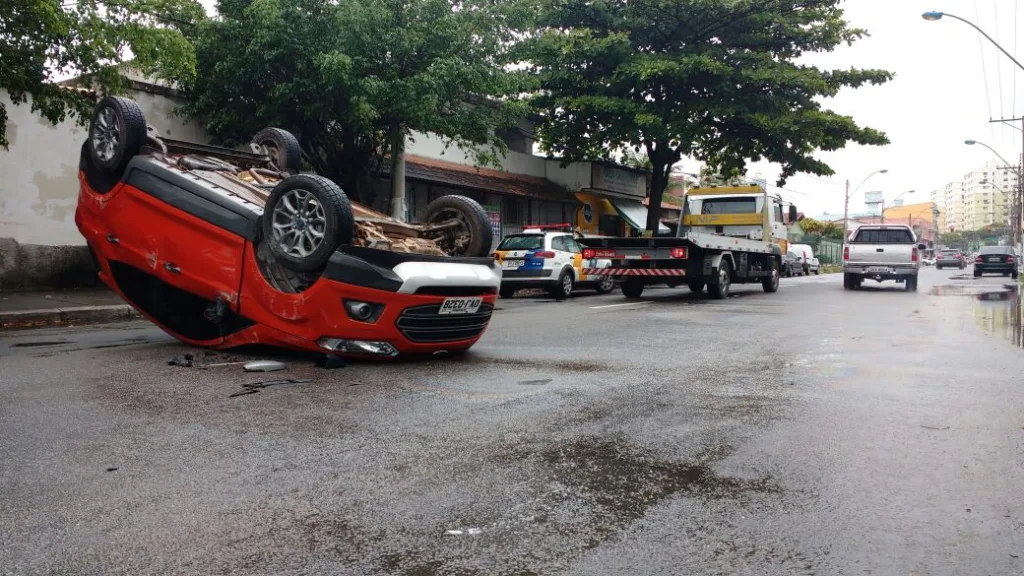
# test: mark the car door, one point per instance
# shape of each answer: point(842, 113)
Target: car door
point(577, 260)
point(563, 252)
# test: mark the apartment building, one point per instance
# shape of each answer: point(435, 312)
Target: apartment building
point(980, 198)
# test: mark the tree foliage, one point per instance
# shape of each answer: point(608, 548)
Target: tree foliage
point(43, 40)
point(352, 78)
point(823, 229)
point(714, 80)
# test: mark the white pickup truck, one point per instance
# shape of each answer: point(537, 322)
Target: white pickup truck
point(882, 252)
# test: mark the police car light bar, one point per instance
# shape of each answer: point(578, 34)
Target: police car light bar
point(565, 226)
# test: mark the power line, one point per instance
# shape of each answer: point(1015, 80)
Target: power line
point(984, 72)
point(999, 65)
point(1016, 9)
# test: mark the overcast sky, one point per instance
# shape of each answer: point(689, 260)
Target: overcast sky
point(936, 101)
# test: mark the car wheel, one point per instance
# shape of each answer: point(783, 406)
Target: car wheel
point(632, 289)
point(695, 286)
point(507, 291)
point(459, 225)
point(771, 283)
point(283, 148)
point(305, 220)
point(606, 285)
point(817, 271)
point(563, 289)
point(1014, 275)
point(977, 274)
point(718, 288)
point(116, 133)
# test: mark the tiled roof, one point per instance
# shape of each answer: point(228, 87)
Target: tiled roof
point(496, 181)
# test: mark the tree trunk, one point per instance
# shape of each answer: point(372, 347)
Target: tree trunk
point(398, 174)
point(659, 181)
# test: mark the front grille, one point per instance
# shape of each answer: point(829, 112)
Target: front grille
point(456, 290)
point(424, 324)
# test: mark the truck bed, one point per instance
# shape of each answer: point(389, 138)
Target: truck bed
point(699, 239)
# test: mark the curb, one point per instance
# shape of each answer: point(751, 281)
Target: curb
point(41, 318)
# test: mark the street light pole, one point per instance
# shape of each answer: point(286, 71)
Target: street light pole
point(846, 203)
point(933, 16)
point(1017, 203)
point(893, 202)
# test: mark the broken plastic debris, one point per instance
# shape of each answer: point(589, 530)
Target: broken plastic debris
point(330, 362)
point(264, 366)
point(467, 531)
point(183, 360)
point(257, 386)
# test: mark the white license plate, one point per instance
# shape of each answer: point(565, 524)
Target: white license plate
point(991, 259)
point(512, 263)
point(460, 306)
point(878, 270)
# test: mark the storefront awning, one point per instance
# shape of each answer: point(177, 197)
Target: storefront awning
point(636, 214)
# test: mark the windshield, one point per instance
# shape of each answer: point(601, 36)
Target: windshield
point(522, 242)
point(727, 206)
point(995, 250)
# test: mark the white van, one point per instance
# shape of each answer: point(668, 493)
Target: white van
point(811, 264)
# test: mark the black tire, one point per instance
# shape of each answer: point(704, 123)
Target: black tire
point(563, 289)
point(849, 282)
point(283, 148)
point(695, 286)
point(718, 287)
point(937, 267)
point(977, 274)
point(817, 271)
point(633, 289)
point(771, 283)
point(605, 285)
point(1014, 275)
point(116, 134)
point(506, 291)
point(473, 221)
point(910, 284)
point(281, 225)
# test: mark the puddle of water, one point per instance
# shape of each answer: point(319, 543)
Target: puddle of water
point(996, 309)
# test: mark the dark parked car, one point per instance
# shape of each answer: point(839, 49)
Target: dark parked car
point(792, 264)
point(997, 260)
point(950, 259)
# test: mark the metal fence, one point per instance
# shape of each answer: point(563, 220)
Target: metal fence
point(827, 250)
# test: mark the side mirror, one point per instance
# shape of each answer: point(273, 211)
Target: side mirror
point(922, 247)
point(792, 213)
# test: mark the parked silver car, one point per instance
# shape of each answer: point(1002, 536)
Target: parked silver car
point(951, 258)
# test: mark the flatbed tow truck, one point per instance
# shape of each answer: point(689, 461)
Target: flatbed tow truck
point(726, 235)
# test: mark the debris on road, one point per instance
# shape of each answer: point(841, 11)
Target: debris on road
point(265, 366)
point(185, 360)
point(257, 386)
point(467, 531)
point(330, 362)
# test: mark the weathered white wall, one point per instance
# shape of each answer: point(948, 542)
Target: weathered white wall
point(575, 176)
point(433, 146)
point(39, 173)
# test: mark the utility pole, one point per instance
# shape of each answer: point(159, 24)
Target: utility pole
point(1017, 201)
point(846, 210)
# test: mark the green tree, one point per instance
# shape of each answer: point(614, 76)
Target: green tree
point(823, 229)
point(42, 40)
point(714, 80)
point(353, 79)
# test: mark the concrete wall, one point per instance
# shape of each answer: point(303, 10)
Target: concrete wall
point(39, 243)
point(432, 146)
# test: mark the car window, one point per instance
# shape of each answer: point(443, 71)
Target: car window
point(729, 206)
point(573, 245)
point(560, 243)
point(883, 236)
point(522, 242)
point(995, 250)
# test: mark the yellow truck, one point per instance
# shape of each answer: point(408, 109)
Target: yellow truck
point(726, 235)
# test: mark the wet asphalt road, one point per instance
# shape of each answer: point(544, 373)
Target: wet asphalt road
point(814, 431)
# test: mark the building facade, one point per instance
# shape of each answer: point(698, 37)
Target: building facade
point(980, 198)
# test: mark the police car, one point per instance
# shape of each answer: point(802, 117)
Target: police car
point(547, 257)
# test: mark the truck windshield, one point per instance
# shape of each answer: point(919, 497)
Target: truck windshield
point(884, 236)
point(728, 206)
point(524, 242)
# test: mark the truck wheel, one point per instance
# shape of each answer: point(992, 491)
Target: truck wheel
point(305, 220)
point(606, 285)
point(910, 284)
point(771, 283)
point(718, 288)
point(283, 148)
point(632, 289)
point(695, 286)
point(116, 133)
point(848, 282)
point(563, 289)
point(460, 225)
point(507, 291)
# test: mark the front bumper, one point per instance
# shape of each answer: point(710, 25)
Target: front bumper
point(411, 292)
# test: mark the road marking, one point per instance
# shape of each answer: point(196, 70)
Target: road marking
point(617, 305)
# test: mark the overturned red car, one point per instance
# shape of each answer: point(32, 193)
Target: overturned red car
point(222, 248)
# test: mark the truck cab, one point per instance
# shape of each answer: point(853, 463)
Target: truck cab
point(737, 211)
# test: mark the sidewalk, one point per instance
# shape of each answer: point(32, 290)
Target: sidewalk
point(62, 308)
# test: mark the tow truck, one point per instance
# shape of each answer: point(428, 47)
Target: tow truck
point(726, 235)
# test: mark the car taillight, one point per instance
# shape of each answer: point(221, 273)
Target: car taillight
point(846, 253)
point(913, 254)
point(679, 252)
point(977, 258)
point(1009, 260)
point(588, 253)
point(544, 254)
